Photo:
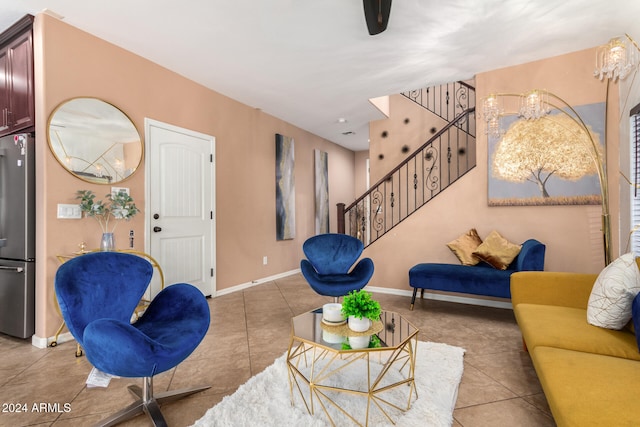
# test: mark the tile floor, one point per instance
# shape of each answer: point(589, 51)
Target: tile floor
point(249, 330)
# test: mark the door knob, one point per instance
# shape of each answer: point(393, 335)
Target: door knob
point(157, 229)
point(156, 216)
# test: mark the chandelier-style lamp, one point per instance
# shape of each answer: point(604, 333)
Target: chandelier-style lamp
point(534, 105)
point(492, 110)
point(616, 59)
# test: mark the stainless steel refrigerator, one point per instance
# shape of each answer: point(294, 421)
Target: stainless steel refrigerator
point(17, 235)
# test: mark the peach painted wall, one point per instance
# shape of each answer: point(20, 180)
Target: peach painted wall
point(571, 233)
point(71, 63)
point(409, 125)
point(361, 173)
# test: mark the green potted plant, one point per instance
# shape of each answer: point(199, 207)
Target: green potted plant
point(118, 206)
point(360, 309)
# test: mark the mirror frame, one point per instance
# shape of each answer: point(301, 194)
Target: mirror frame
point(90, 177)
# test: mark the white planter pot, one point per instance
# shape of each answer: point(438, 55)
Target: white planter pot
point(359, 342)
point(359, 325)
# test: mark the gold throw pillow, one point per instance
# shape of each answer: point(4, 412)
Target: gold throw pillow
point(497, 251)
point(464, 246)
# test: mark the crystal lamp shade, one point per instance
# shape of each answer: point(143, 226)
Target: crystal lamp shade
point(534, 105)
point(615, 60)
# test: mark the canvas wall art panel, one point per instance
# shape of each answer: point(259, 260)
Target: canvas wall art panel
point(285, 188)
point(321, 161)
point(546, 161)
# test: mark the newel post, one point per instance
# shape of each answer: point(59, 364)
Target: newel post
point(340, 217)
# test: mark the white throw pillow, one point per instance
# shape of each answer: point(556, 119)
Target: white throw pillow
point(613, 293)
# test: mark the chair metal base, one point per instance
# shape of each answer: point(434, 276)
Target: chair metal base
point(148, 403)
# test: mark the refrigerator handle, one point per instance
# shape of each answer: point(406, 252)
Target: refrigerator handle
point(16, 269)
point(3, 242)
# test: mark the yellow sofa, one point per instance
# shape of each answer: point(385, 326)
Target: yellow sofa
point(590, 375)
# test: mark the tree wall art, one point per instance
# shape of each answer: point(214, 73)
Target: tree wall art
point(546, 161)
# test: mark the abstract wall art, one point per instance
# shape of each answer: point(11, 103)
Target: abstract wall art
point(322, 191)
point(285, 188)
point(546, 161)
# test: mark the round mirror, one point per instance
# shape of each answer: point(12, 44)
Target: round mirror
point(94, 140)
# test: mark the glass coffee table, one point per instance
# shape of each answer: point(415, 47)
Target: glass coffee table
point(356, 384)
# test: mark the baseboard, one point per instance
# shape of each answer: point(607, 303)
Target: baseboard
point(445, 297)
point(389, 291)
point(44, 342)
point(253, 283)
point(469, 300)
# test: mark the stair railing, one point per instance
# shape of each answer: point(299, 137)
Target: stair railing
point(446, 101)
point(424, 174)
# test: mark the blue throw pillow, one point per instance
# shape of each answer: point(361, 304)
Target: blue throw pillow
point(635, 316)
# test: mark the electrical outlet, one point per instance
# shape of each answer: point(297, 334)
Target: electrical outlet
point(264, 260)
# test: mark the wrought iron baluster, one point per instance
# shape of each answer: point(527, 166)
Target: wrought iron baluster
point(374, 213)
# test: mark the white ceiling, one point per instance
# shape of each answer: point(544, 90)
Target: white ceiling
point(310, 62)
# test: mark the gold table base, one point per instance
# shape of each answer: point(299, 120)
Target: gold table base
point(313, 370)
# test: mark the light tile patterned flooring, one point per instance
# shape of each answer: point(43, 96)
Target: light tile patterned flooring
point(249, 330)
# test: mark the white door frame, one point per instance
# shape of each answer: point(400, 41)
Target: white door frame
point(147, 190)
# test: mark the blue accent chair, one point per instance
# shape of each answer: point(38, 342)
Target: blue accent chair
point(98, 293)
point(329, 258)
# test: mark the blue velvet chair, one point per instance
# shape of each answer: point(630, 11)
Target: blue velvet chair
point(329, 258)
point(98, 293)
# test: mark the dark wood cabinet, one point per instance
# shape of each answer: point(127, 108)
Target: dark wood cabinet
point(17, 109)
point(4, 90)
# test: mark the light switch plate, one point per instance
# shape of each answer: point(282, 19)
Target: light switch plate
point(116, 190)
point(69, 211)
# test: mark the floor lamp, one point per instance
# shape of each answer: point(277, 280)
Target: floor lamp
point(615, 61)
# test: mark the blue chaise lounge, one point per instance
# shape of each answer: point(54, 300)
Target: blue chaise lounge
point(481, 279)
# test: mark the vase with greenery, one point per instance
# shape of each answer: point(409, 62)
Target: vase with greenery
point(117, 206)
point(360, 308)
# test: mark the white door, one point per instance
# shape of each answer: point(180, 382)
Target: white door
point(180, 206)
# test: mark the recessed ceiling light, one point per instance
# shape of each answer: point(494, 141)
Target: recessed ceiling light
point(342, 120)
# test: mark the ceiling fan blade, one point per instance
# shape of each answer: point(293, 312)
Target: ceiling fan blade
point(376, 13)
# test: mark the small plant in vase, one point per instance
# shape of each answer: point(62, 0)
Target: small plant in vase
point(118, 206)
point(360, 309)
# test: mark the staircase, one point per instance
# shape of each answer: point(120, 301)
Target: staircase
point(425, 173)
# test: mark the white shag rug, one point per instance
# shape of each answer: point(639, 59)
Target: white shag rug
point(265, 399)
